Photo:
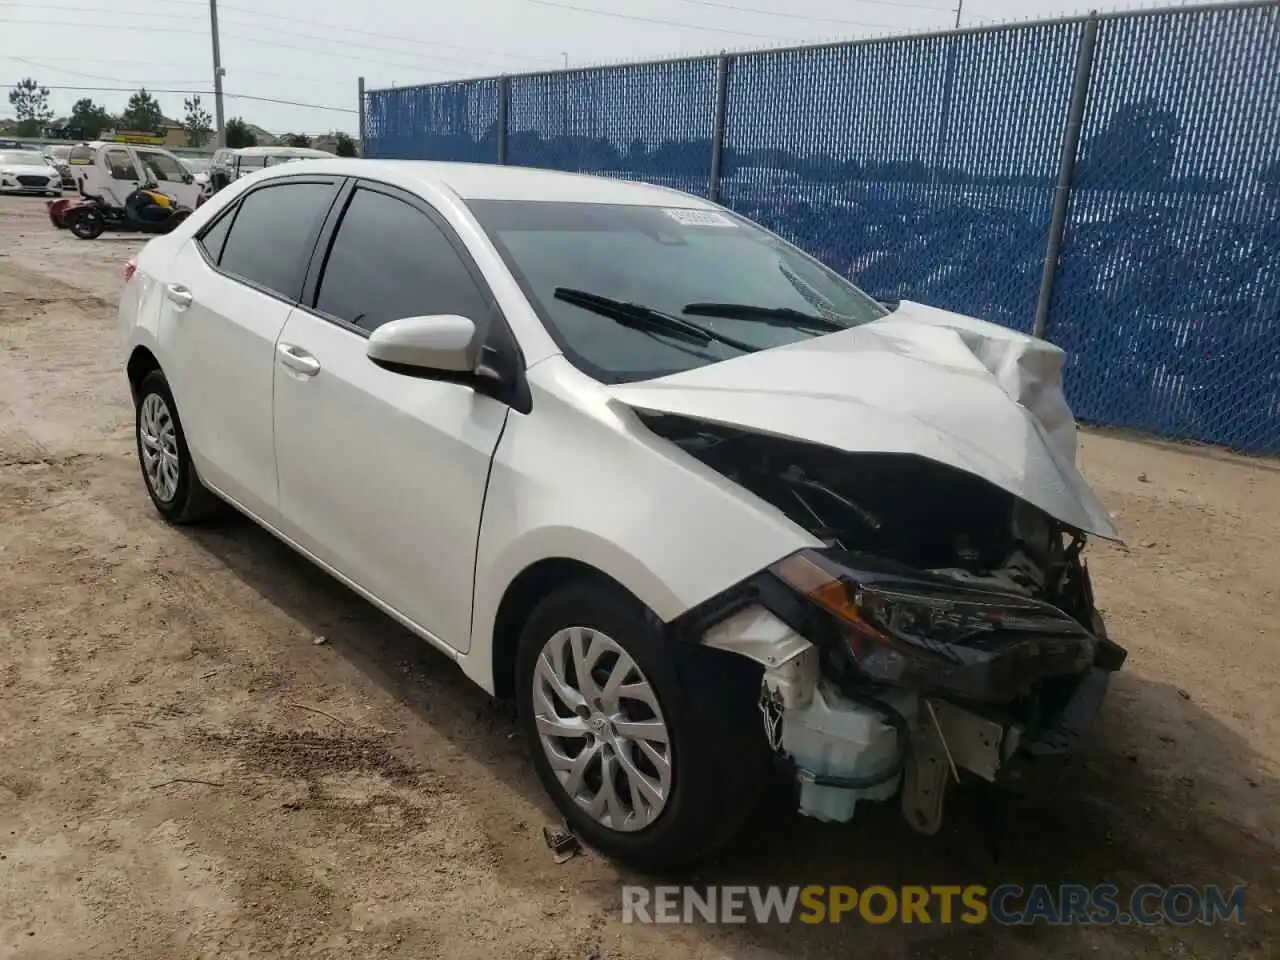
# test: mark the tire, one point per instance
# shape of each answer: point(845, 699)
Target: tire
point(718, 759)
point(87, 224)
point(167, 471)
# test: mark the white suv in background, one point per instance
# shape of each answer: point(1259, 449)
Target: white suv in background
point(694, 500)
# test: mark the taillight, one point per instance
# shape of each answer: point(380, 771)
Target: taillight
point(129, 269)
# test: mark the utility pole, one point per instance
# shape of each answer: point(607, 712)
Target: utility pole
point(219, 117)
point(959, 8)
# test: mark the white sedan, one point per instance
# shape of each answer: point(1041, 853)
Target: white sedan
point(702, 507)
point(28, 171)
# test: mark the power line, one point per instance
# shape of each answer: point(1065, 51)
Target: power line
point(293, 33)
point(249, 39)
point(93, 76)
point(804, 16)
point(668, 23)
point(257, 73)
point(230, 96)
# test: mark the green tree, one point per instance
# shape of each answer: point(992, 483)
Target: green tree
point(88, 120)
point(296, 140)
point(30, 103)
point(239, 134)
point(343, 145)
point(143, 113)
point(196, 122)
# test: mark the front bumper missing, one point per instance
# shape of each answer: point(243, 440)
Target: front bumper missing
point(830, 739)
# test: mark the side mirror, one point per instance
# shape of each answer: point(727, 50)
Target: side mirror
point(443, 343)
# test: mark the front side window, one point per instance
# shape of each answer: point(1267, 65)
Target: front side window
point(389, 261)
point(729, 277)
point(273, 234)
point(161, 166)
point(121, 165)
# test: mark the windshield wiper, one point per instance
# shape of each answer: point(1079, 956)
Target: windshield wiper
point(773, 316)
point(639, 317)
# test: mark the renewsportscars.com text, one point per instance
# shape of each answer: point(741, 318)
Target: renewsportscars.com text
point(1008, 904)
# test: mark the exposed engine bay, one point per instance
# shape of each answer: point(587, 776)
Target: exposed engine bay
point(923, 514)
point(951, 626)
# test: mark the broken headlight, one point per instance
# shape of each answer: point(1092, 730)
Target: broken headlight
point(910, 629)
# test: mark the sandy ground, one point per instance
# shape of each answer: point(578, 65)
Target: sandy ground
point(357, 797)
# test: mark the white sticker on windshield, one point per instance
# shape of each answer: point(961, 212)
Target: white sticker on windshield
point(700, 218)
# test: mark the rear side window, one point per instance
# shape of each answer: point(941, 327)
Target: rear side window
point(389, 261)
point(216, 236)
point(272, 237)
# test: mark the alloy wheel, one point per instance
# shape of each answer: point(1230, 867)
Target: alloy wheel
point(602, 729)
point(158, 441)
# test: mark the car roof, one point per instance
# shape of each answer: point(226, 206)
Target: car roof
point(281, 152)
point(487, 181)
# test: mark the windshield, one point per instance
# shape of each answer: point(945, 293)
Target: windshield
point(59, 153)
point(22, 158)
point(726, 274)
point(196, 164)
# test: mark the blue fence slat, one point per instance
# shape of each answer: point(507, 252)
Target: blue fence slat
point(906, 165)
point(924, 168)
point(649, 122)
point(1168, 300)
point(446, 121)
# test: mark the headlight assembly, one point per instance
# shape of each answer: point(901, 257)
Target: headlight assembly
point(926, 633)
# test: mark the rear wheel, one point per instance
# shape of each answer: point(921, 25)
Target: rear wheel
point(653, 754)
point(87, 224)
point(167, 470)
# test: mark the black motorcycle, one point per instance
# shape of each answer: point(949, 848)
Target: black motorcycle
point(146, 210)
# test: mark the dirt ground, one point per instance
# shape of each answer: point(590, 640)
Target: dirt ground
point(188, 770)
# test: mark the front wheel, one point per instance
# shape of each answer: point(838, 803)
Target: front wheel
point(167, 470)
point(87, 224)
point(654, 755)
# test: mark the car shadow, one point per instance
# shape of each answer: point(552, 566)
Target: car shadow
point(1120, 814)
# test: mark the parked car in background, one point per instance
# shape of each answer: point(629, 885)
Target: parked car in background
point(114, 170)
point(59, 156)
point(249, 160)
point(229, 165)
point(28, 171)
point(198, 168)
point(696, 502)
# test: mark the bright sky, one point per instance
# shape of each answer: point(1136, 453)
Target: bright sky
point(310, 52)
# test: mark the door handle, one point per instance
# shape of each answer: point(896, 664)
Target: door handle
point(179, 294)
point(297, 359)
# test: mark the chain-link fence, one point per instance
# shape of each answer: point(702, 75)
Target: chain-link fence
point(1110, 182)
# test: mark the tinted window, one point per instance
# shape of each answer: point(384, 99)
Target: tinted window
point(161, 166)
point(216, 235)
point(390, 261)
point(121, 165)
point(680, 262)
point(271, 238)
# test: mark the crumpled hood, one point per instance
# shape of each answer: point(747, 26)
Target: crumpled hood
point(963, 392)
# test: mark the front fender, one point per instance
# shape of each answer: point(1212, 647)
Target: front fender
point(581, 478)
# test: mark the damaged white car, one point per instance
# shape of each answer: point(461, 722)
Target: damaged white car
point(698, 504)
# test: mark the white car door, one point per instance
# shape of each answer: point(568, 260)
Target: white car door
point(228, 292)
point(382, 474)
point(170, 176)
point(117, 175)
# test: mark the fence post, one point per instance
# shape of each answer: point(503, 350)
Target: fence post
point(504, 92)
point(1066, 171)
point(361, 129)
point(718, 131)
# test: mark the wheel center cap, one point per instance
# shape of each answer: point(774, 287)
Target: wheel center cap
point(598, 723)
